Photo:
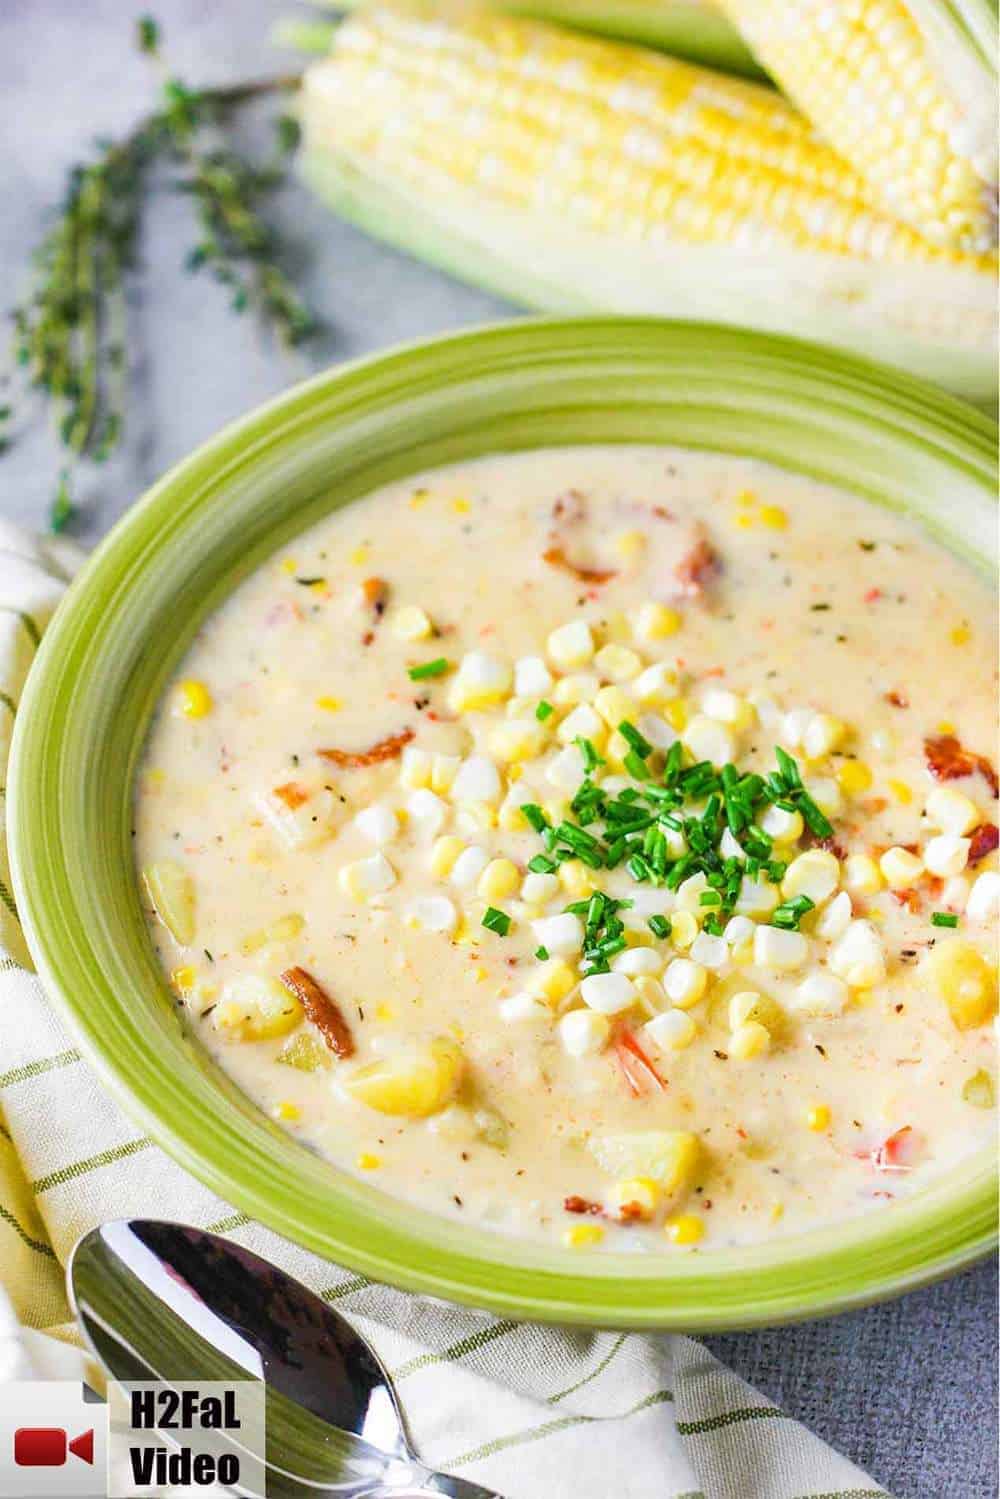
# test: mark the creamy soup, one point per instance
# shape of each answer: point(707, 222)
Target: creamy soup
point(595, 844)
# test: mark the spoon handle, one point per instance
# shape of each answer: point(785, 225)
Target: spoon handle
point(425, 1484)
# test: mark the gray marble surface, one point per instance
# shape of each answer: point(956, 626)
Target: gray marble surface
point(906, 1389)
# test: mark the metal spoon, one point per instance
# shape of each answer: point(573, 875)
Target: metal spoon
point(162, 1301)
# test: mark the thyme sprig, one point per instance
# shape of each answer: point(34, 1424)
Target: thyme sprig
point(70, 329)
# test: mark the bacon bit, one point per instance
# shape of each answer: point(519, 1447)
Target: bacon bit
point(292, 794)
point(873, 595)
point(389, 748)
point(638, 1071)
point(947, 760)
point(897, 699)
point(909, 898)
point(576, 1204)
point(897, 1152)
point(323, 1011)
point(556, 557)
point(983, 840)
point(697, 567)
point(630, 1212)
point(662, 513)
point(375, 594)
point(570, 508)
point(831, 846)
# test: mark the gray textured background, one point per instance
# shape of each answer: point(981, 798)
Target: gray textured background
point(908, 1389)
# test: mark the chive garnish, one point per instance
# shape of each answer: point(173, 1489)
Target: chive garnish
point(435, 668)
point(496, 921)
point(790, 912)
point(533, 813)
point(541, 953)
point(638, 741)
point(543, 711)
point(659, 926)
point(541, 865)
point(944, 918)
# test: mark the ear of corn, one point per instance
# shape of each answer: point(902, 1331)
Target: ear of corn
point(579, 175)
point(695, 29)
point(905, 90)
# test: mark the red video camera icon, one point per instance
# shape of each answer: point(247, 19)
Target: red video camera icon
point(47, 1446)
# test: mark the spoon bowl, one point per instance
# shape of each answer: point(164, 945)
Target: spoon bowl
point(164, 1301)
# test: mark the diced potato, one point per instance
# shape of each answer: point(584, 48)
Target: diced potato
point(959, 974)
point(256, 1008)
point(300, 818)
point(171, 891)
point(414, 1084)
point(670, 1157)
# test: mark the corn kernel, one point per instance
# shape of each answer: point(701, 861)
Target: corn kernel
point(656, 685)
point(748, 1041)
point(815, 874)
point(656, 622)
point(901, 792)
point(673, 1030)
point(649, 994)
point(366, 877)
point(900, 868)
point(582, 723)
point(481, 681)
point(576, 879)
point(184, 978)
point(582, 1235)
point(707, 739)
point(951, 811)
point(192, 700)
point(290, 1112)
point(415, 769)
point(368, 1162)
point(750, 1005)
point(782, 826)
point(410, 623)
point(518, 739)
point(614, 706)
point(823, 734)
point(854, 777)
point(818, 1118)
point(499, 879)
point(773, 517)
point(676, 714)
point(584, 1033)
point(683, 930)
point(552, 981)
point(578, 687)
point(727, 707)
point(635, 1198)
point(329, 704)
point(617, 662)
point(960, 635)
point(629, 545)
point(444, 852)
point(946, 855)
point(859, 956)
point(862, 875)
point(685, 1229)
point(684, 982)
point(571, 646)
point(959, 974)
point(461, 506)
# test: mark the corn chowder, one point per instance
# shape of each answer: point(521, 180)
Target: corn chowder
point(597, 844)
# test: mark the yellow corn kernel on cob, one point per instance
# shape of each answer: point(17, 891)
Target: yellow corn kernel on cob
point(905, 90)
point(578, 174)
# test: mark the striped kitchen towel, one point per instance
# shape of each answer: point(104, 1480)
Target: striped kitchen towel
point(534, 1412)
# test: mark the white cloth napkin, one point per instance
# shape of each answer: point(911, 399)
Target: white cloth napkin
point(534, 1412)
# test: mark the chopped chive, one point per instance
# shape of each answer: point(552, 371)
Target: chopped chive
point(541, 865)
point(788, 915)
point(944, 918)
point(659, 926)
point(636, 766)
point(533, 813)
point(435, 668)
point(710, 898)
point(591, 759)
point(542, 953)
point(543, 711)
point(496, 921)
point(638, 741)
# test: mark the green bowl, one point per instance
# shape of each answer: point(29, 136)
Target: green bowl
point(176, 555)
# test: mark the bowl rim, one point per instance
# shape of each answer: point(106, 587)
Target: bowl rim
point(945, 1227)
